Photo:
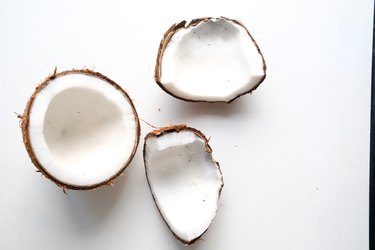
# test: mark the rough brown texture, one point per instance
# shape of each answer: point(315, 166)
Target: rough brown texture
point(176, 129)
point(28, 143)
point(182, 25)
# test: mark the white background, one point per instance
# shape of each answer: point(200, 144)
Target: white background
point(294, 154)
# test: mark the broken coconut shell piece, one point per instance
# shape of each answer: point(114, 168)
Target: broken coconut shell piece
point(184, 179)
point(209, 60)
point(80, 129)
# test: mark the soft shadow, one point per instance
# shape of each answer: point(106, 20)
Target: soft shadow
point(195, 246)
point(185, 110)
point(210, 31)
point(90, 209)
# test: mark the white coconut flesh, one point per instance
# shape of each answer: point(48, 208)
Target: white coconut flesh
point(82, 129)
point(185, 182)
point(216, 60)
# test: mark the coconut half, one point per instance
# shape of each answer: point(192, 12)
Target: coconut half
point(184, 179)
point(80, 129)
point(209, 60)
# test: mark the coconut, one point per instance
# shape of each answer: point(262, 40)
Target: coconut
point(184, 179)
point(80, 129)
point(209, 60)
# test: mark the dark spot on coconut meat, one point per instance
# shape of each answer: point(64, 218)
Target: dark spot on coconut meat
point(190, 157)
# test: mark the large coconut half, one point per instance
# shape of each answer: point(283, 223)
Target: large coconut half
point(184, 179)
point(80, 129)
point(209, 60)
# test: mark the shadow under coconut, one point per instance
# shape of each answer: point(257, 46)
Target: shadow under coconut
point(185, 110)
point(90, 209)
point(198, 245)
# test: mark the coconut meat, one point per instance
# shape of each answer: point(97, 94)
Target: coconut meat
point(82, 129)
point(216, 60)
point(185, 182)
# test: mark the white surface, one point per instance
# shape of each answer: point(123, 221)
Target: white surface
point(82, 129)
point(185, 182)
point(294, 154)
point(215, 60)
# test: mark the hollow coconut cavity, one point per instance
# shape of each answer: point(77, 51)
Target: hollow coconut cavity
point(209, 60)
point(184, 179)
point(80, 129)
